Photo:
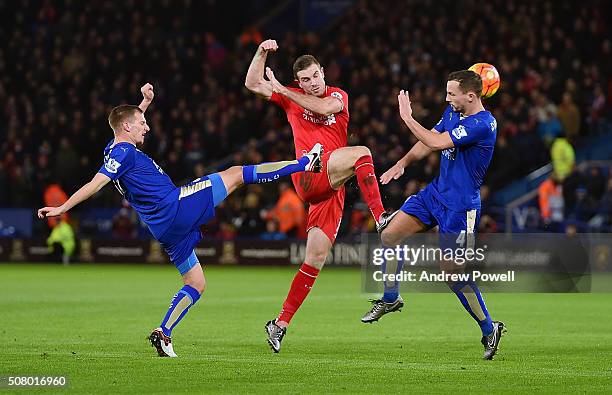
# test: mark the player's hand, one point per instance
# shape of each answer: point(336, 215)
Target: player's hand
point(50, 212)
point(147, 92)
point(405, 110)
point(276, 86)
point(268, 46)
point(395, 172)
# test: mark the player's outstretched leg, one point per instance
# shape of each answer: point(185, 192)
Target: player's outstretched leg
point(268, 172)
point(470, 297)
point(227, 181)
point(187, 296)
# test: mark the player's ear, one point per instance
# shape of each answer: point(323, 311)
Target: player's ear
point(322, 72)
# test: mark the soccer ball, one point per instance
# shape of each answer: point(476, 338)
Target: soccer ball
point(490, 78)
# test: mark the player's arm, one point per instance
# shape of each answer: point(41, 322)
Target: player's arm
point(431, 139)
point(320, 105)
point(147, 96)
point(255, 81)
point(84, 193)
point(416, 153)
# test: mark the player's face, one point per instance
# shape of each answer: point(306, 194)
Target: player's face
point(138, 129)
point(312, 80)
point(456, 97)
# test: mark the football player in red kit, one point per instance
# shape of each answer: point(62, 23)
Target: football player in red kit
point(317, 113)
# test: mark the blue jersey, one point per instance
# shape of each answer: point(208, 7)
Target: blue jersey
point(463, 167)
point(143, 183)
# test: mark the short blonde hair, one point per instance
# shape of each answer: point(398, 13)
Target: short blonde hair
point(120, 114)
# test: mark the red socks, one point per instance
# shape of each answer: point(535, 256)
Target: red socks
point(300, 287)
point(368, 184)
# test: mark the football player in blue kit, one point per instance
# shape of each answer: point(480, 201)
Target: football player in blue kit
point(172, 214)
point(465, 135)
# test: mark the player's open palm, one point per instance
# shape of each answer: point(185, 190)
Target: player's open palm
point(269, 46)
point(395, 172)
point(49, 212)
point(403, 100)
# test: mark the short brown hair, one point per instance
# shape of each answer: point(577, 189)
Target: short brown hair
point(120, 114)
point(302, 63)
point(469, 81)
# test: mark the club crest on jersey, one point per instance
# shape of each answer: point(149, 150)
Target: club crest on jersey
point(459, 132)
point(111, 165)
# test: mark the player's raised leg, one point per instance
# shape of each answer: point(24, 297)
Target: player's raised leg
point(400, 227)
point(318, 246)
point(237, 176)
point(194, 285)
point(348, 161)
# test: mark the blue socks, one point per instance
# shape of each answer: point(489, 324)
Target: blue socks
point(181, 302)
point(391, 292)
point(268, 172)
point(471, 299)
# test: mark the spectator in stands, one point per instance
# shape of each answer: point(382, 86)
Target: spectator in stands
point(549, 127)
point(289, 211)
point(584, 208)
point(272, 232)
point(550, 197)
point(563, 157)
point(71, 59)
point(62, 240)
point(125, 223)
point(569, 115)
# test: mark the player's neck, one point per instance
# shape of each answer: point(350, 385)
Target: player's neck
point(478, 107)
point(122, 139)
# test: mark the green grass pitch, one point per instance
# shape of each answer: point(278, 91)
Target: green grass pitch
point(89, 323)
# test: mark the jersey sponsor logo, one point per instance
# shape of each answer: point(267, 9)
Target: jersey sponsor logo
point(459, 132)
point(450, 153)
point(326, 120)
point(111, 165)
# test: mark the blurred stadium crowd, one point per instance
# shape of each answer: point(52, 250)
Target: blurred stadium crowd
point(65, 64)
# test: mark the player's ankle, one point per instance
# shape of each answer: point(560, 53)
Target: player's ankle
point(282, 324)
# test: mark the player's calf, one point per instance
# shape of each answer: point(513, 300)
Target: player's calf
point(358, 160)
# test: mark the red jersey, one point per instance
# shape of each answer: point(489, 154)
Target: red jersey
point(310, 128)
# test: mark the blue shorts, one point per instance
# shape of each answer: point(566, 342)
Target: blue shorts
point(196, 206)
point(430, 211)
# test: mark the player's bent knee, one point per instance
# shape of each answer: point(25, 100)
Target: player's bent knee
point(390, 238)
point(195, 278)
point(361, 150)
point(232, 178)
point(198, 283)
